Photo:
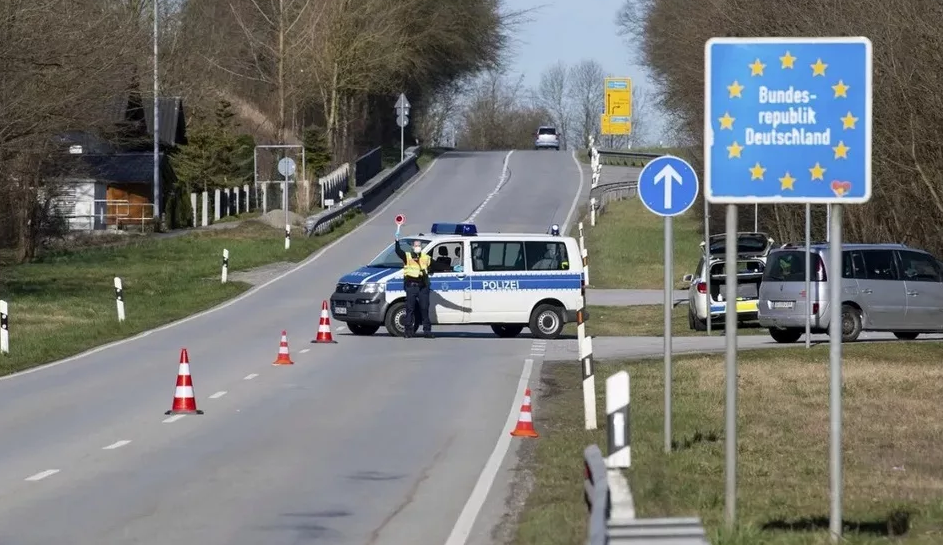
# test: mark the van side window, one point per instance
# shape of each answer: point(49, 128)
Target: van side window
point(880, 265)
point(546, 256)
point(497, 256)
point(852, 265)
point(918, 267)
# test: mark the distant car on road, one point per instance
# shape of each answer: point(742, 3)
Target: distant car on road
point(752, 249)
point(884, 287)
point(547, 137)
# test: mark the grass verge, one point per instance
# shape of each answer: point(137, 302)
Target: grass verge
point(626, 247)
point(648, 321)
point(64, 303)
point(893, 474)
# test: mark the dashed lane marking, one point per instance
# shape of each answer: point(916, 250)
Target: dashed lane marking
point(42, 475)
point(117, 444)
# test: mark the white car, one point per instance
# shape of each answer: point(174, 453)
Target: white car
point(547, 137)
point(752, 249)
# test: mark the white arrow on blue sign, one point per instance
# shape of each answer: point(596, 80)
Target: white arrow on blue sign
point(668, 186)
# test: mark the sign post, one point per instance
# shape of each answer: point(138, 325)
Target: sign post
point(402, 119)
point(668, 187)
point(286, 167)
point(788, 120)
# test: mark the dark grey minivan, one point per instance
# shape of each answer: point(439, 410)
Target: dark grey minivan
point(885, 287)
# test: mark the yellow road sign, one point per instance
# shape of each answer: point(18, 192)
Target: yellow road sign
point(618, 93)
point(615, 125)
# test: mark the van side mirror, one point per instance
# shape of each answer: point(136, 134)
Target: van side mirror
point(688, 278)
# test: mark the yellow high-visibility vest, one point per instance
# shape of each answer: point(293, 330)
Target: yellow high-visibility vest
point(413, 268)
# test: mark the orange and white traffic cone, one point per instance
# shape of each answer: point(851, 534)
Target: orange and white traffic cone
point(525, 422)
point(324, 327)
point(184, 401)
point(283, 357)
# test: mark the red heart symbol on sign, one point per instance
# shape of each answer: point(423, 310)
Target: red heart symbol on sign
point(840, 188)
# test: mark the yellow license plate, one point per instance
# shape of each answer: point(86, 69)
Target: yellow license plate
point(747, 306)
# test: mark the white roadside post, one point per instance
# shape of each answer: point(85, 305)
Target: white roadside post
point(585, 253)
point(592, 212)
point(119, 299)
point(846, 112)
point(4, 328)
point(668, 187)
point(582, 241)
point(288, 236)
point(589, 382)
point(618, 429)
point(225, 273)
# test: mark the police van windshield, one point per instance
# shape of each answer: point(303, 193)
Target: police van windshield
point(388, 257)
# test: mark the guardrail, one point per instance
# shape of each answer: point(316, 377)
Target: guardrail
point(625, 157)
point(333, 185)
point(369, 198)
point(367, 166)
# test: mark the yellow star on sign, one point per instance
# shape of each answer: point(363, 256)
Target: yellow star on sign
point(756, 69)
point(756, 172)
point(848, 122)
point(841, 151)
point(735, 89)
point(818, 173)
point(841, 90)
point(786, 182)
point(787, 60)
point(818, 69)
point(726, 122)
point(734, 150)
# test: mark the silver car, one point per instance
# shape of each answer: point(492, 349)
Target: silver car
point(547, 137)
point(885, 287)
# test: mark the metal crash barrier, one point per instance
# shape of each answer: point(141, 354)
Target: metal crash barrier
point(612, 511)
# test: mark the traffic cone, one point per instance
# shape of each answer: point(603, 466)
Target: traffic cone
point(184, 401)
point(525, 422)
point(283, 357)
point(324, 327)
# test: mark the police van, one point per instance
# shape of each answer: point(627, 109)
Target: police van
point(508, 281)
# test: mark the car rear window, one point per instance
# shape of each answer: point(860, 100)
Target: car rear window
point(548, 131)
point(788, 266)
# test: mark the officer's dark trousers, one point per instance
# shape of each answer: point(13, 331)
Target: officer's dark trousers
point(417, 300)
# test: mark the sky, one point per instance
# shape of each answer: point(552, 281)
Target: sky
point(573, 30)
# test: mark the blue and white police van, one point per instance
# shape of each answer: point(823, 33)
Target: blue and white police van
point(508, 281)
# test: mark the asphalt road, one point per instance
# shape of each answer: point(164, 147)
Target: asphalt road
point(372, 440)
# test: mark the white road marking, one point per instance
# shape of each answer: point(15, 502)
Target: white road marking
point(579, 191)
point(501, 181)
point(42, 475)
point(250, 377)
point(116, 444)
point(218, 395)
point(373, 217)
point(466, 520)
point(173, 418)
point(304, 351)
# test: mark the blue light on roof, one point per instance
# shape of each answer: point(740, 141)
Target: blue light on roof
point(464, 229)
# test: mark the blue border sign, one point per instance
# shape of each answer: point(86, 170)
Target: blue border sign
point(787, 120)
point(667, 186)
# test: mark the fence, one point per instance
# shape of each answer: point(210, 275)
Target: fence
point(367, 166)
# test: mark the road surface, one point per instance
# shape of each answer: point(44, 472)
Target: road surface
point(373, 440)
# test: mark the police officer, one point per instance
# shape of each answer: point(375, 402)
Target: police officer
point(416, 281)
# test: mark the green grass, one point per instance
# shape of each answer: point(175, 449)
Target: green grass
point(893, 472)
point(64, 303)
point(648, 321)
point(626, 247)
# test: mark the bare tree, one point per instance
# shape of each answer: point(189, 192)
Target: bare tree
point(586, 94)
point(552, 95)
point(497, 116)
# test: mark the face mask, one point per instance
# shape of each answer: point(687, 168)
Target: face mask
point(417, 249)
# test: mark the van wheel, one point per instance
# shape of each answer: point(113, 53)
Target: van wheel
point(396, 319)
point(785, 335)
point(850, 323)
point(905, 335)
point(363, 329)
point(546, 322)
point(507, 331)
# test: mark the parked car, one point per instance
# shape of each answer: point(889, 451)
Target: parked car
point(547, 137)
point(885, 287)
point(752, 249)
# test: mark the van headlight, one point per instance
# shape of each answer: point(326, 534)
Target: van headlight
point(373, 287)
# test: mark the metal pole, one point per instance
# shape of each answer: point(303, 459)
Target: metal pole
point(402, 132)
point(285, 193)
point(808, 275)
point(669, 258)
point(156, 129)
point(835, 370)
point(828, 223)
point(756, 218)
point(707, 263)
point(730, 334)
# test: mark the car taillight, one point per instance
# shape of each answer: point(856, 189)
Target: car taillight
point(820, 275)
point(702, 287)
